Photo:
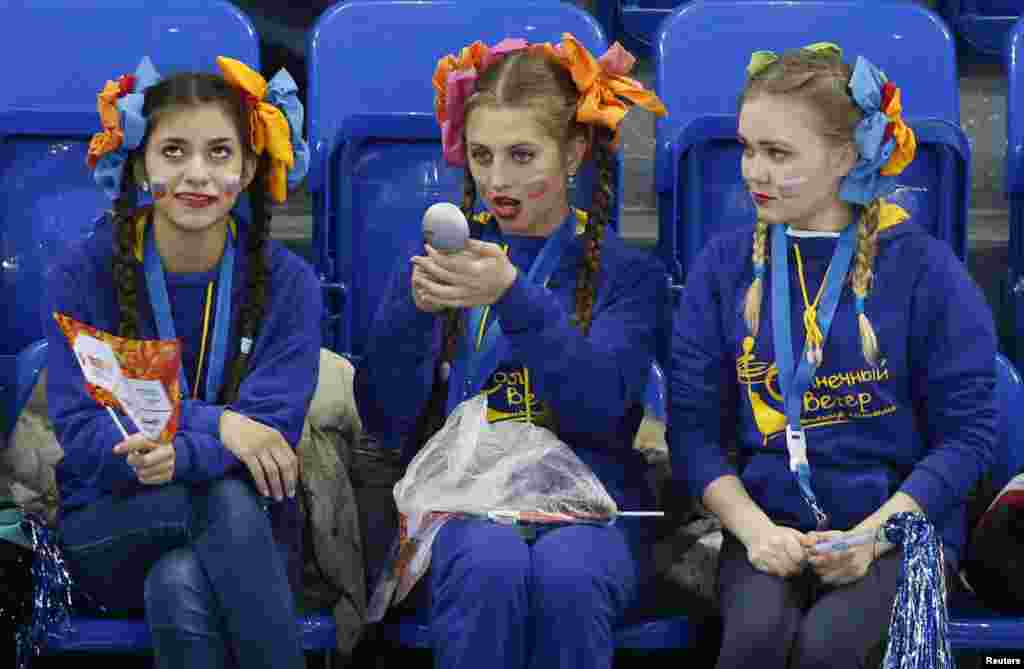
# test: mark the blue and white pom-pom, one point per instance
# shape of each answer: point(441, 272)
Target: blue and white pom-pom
point(918, 629)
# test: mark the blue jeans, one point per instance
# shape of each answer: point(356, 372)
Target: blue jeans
point(200, 562)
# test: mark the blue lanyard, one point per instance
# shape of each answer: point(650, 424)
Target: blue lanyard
point(156, 285)
point(792, 384)
point(477, 363)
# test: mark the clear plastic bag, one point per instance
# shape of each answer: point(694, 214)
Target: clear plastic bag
point(509, 472)
point(472, 466)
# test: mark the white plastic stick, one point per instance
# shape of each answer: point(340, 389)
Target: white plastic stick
point(117, 421)
point(848, 541)
point(641, 514)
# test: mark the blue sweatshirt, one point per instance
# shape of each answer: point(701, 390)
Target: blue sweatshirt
point(589, 389)
point(276, 391)
point(923, 422)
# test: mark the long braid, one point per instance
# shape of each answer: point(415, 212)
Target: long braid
point(257, 277)
point(602, 201)
point(863, 273)
point(759, 255)
point(124, 268)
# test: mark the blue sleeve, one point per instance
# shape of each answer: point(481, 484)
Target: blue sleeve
point(953, 345)
point(280, 382)
point(696, 379)
point(589, 382)
point(395, 375)
point(84, 429)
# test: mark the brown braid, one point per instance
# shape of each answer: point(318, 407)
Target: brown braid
point(602, 201)
point(125, 263)
point(759, 256)
point(257, 276)
point(453, 324)
point(862, 275)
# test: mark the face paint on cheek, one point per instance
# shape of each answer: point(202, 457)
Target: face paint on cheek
point(230, 185)
point(537, 190)
point(790, 186)
point(159, 189)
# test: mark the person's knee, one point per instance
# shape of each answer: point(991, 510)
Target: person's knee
point(476, 557)
point(235, 495)
point(759, 625)
point(584, 566)
point(820, 644)
point(176, 586)
point(235, 508)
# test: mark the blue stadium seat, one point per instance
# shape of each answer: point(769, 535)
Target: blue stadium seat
point(637, 21)
point(971, 624)
point(48, 113)
point(1015, 181)
point(17, 379)
point(668, 633)
point(1009, 460)
point(94, 635)
point(983, 24)
point(702, 53)
point(376, 163)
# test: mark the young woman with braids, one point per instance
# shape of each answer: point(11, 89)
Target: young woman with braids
point(182, 531)
point(871, 395)
point(577, 312)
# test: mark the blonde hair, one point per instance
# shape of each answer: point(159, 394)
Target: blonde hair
point(819, 78)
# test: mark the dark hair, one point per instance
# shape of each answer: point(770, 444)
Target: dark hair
point(531, 81)
point(174, 93)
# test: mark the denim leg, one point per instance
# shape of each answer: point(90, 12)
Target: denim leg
point(183, 615)
point(111, 544)
point(232, 537)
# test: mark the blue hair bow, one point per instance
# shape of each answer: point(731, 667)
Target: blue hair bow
point(283, 93)
point(865, 182)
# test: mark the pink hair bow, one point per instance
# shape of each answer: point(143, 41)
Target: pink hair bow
point(454, 81)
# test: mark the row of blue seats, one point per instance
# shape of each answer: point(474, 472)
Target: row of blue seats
point(982, 25)
point(376, 159)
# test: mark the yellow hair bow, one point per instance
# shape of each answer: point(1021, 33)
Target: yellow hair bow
point(906, 143)
point(269, 130)
point(759, 60)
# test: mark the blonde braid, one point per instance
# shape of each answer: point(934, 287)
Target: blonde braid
point(863, 274)
point(752, 305)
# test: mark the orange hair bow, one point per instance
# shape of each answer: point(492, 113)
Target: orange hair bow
point(905, 142)
point(112, 136)
point(269, 129)
point(602, 82)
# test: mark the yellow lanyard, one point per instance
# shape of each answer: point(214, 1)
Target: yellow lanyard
point(202, 346)
point(815, 340)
